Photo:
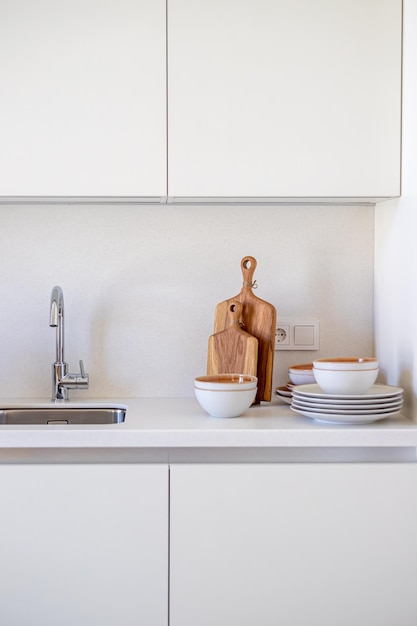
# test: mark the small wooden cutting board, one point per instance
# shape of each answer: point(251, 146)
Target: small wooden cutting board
point(258, 319)
point(233, 350)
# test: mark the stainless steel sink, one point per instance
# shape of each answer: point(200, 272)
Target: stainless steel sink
point(62, 415)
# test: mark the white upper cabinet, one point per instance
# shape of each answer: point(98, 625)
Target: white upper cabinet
point(284, 99)
point(83, 98)
point(266, 98)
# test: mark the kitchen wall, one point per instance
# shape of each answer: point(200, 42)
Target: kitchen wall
point(395, 245)
point(141, 284)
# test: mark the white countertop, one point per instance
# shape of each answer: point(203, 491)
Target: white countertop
point(180, 423)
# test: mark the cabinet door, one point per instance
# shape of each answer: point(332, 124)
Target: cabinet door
point(278, 98)
point(293, 544)
point(84, 545)
point(82, 108)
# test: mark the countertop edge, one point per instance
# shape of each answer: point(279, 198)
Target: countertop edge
point(180, 423)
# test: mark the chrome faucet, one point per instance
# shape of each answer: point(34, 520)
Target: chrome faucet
point(62, 381)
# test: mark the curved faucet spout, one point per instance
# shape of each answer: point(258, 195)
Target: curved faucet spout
point(62, 381)
point(56, 318)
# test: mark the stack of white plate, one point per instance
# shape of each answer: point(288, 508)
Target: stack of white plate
point(285, 393)
point(381, 401)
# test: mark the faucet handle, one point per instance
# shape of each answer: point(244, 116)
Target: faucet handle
point(74, 381)
point(82, 381)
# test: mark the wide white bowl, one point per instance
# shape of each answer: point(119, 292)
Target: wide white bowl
point(301, 374)
point(349, 382)
point(346, 363)
point(229, 395)
point(226, 382)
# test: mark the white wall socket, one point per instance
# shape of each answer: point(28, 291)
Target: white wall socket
point(297, 335)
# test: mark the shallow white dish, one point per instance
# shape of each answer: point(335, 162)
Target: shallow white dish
point(364, 402)
point(379, 403)
point(284, 391)
point(376, 391)
point(284, 398)
point(338, 411)
point(284, 394)
point(343, 419)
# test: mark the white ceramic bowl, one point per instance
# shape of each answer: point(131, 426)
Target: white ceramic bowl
point(301, 374)
point(224, 382)
point(225, 395)
point(346, 363)
point(345, 382)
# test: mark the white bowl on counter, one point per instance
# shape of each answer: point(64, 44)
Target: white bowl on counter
point(301, 374)
point(350, 375)
point(357, 363)
point(226, 382)
point(225, 395)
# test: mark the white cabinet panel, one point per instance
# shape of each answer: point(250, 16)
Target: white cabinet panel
point(278, 98)
point(296, 544)
point(84, 545)
point(82, 110)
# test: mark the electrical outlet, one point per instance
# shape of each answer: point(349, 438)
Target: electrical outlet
point(282, 336)
point(297, 335)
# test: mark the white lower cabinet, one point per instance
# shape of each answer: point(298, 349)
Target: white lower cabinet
point(293, 545)
point(84, 545)
point(244, 545)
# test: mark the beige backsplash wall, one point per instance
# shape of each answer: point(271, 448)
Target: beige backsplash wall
point(141, 284)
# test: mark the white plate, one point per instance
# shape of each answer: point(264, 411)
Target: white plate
point(284, 398)
point(347, 408)
point(376, 404)
point(376, 391)
point(284, 391)
point(348, 403)
point(344, 419)
point(336, 411)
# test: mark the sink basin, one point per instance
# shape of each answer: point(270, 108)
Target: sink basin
point(62, 415)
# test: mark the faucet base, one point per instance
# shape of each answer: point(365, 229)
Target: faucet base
point(59, 372)
point(62, 381)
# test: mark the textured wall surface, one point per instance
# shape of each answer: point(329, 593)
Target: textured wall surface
point(395, 249)
point(141, 284)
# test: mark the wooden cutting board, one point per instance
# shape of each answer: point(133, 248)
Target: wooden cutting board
point(258, 318)
point(233, 350)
